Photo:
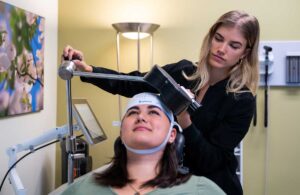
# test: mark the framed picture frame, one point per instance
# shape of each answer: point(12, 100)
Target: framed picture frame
point(21, 61)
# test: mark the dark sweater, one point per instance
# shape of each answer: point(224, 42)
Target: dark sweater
point(218, 126)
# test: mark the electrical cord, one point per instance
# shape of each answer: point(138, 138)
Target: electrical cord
point(12, 166)
point(36, 149)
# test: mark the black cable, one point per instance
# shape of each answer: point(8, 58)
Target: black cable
point(12, 166)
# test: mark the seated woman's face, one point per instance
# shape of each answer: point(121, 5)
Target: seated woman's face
point(144, 126)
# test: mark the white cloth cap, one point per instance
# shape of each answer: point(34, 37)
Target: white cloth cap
point(149, 99)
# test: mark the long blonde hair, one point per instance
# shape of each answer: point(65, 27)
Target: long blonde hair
point(246, 72)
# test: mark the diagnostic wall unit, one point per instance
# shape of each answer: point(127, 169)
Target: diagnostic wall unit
point(284, 66)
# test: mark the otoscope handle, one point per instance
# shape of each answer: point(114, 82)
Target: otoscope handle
point(266, 98)
point(267, 50)
point(266, 109)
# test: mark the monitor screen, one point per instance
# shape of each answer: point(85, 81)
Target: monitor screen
point(87, 121)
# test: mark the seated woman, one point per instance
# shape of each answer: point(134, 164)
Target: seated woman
point(145, 160)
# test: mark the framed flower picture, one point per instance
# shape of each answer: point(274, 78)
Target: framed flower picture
point(21, 61)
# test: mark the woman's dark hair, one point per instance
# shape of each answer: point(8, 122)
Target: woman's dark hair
point(167, 177)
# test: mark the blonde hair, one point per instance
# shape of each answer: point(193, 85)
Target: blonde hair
point(246, 72)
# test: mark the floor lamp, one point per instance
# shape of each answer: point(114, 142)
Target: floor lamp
point(135, 31)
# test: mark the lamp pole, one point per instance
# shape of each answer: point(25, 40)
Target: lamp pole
point(138, 30)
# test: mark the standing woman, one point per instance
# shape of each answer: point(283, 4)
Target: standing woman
point(224, 82)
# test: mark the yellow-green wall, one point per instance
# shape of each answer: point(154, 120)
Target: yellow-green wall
point(86, 25)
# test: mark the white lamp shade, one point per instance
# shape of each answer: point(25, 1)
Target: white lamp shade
point(135, 35)
point(132, 30)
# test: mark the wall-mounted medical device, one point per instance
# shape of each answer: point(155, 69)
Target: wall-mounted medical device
point(279, 65)
point(284, 63)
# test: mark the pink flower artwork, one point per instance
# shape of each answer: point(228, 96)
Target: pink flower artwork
point(21, 61)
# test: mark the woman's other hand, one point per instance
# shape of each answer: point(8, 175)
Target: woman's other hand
point(184, 119)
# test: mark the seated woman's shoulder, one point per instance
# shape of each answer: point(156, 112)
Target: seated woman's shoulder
point(195, 185)
point(207, 186)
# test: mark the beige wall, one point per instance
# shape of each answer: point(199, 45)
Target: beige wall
point(86, 25)
point(36, 170)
